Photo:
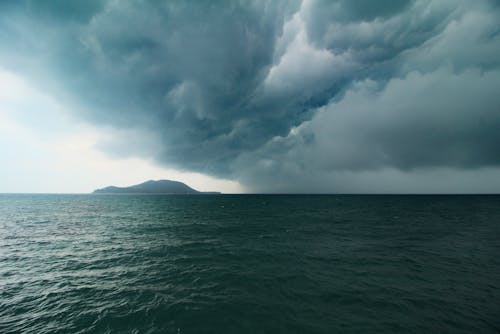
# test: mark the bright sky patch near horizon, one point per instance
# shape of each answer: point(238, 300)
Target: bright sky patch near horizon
point(45, 150)
point(275, 96)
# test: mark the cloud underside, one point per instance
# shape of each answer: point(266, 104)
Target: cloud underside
point(313, 96)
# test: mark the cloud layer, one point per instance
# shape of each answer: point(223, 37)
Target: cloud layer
point(283, 96)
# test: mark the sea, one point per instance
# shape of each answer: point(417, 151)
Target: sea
point(249, 264)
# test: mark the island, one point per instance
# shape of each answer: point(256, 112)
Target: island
point(155, 187)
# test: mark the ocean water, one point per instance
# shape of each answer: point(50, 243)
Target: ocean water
point(249, 264)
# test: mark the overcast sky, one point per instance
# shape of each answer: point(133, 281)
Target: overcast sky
point(306, 96)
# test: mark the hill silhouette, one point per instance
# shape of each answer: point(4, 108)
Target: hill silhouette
point(153, 187)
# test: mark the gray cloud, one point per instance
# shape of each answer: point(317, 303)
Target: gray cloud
point(269, 91)
point(412, 124)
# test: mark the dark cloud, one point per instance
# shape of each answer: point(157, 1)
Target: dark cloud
point(266, 91)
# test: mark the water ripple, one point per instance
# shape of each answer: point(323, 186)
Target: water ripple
point(249, 264)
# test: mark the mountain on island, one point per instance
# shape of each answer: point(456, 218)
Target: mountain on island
point(154, 187)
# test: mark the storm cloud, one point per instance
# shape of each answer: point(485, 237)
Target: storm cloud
point(301, 96)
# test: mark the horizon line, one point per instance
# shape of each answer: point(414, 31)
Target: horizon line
point(215, 193)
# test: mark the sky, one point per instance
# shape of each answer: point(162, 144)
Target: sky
point(337, 96)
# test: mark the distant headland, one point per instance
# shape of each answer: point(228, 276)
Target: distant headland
point(154, 187)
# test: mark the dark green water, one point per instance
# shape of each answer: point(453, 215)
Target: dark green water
point(249, 264)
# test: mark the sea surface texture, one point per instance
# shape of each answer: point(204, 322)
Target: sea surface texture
point(249, 264)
